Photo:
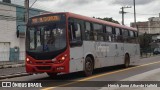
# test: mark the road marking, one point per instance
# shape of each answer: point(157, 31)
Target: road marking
point(100, 75)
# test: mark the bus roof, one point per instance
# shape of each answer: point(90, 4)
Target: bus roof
point(69, 14)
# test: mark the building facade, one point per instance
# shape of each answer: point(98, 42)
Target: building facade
point(12, 25)
point(142, 26)
point(152, 26)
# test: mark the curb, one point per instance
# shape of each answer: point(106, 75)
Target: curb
point(11, 66)
point(14, 75)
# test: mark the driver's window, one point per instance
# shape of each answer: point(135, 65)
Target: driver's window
point(38, 38)
point(74, 29)
point(77, 32)
point(32, 38)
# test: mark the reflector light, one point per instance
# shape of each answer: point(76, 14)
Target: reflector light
point(53, 60)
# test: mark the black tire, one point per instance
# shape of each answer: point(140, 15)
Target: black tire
point(89, 66)
point(126, 61)
point(52, 75)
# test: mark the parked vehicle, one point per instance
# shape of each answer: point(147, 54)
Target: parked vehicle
point(156, 51)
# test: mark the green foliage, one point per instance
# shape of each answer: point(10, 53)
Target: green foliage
point(108, 19)
point(145, 41)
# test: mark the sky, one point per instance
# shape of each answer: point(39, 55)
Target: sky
point(101, 8)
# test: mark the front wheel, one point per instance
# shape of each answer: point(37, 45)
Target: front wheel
point(88, 66)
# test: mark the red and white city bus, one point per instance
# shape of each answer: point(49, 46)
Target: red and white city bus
point(65, 42)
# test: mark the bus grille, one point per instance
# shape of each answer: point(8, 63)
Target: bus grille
point(44, 67)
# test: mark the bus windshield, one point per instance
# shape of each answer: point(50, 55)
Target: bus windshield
point(46, 38)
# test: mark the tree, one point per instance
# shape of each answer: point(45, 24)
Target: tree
point(108, 19)
point(145, 41)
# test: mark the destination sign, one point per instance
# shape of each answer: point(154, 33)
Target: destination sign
point(45, 19)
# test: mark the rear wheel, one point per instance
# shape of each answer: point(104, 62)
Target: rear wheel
point(52, 75)
point(89, 66)
point(126, 61)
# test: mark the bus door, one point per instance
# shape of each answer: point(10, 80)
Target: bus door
point(119, 55)
point(119, 47)
point(76, 45)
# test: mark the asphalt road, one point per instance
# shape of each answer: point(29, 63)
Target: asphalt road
point(78, 81)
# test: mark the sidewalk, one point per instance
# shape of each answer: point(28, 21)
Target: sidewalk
point(153, 75)
point(12, 69)
point(9, 64)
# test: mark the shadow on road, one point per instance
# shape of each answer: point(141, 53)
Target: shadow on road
point(80, 75)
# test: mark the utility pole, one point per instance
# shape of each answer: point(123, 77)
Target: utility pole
point(26, 4)
point(123, 15)
point(122, 12)
point(135, 22)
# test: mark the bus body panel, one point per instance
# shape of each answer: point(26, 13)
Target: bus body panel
point(76, 59)
point(105, 54)
point(119, 53)
point(129, 48)
point(136, 53)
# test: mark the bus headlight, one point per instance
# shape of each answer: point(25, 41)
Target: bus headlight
point(63, 58)
point(60, 59)
point(27, 59)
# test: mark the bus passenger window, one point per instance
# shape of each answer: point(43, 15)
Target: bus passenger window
point(125, 35)
point(98, 32)
point(108, 36)
point(117, 30)
point(119, 37)
point(131, 34)
point(78, 32)
point(88, 32)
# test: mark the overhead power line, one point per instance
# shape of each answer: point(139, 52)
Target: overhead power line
point(15, 11)
point(10, 18)
point(33, 3)
point(142, 13)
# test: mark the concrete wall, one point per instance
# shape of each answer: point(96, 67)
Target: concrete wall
point(8, 29)
point(8, 25)
point(10, 17)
